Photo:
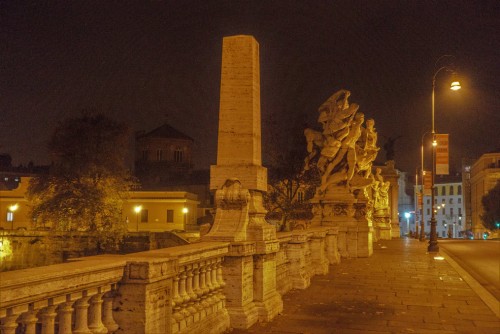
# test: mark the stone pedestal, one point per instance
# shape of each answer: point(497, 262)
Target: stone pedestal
point(239, 181)
point(382, 226)
point(340, 209)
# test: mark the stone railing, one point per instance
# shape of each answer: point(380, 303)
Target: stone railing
point(174, 290)
point(74, 297)
point(303, 254)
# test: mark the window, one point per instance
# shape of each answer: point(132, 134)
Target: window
point(10, 216)
point(428, 201)
point(451, 201)
point(459, 190)
point(443, 222)
point(443, 201)
point(443, 234)
point(159, 155)
point(145, 155)
point(459, 200)
point(178, 155)
point(300, 196)
point(452, 190)
point(460, 211)
point(144, 216)
point(451, 212)
point(170, 216)
point(443, 190)
point(428, 211)
point(435, 191)
point(443, 211)
point(435, 200)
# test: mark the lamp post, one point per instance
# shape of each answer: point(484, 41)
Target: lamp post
point(407, 216)
point(137, 209)
point(422, 171)
point(13, 209)
point(455, 85)
point(417, 207)
point(185, 212)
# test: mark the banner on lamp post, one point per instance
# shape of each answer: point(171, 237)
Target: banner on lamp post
point(442, 154)
point(427, 183)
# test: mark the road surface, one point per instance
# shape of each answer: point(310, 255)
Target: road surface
point(480, 258)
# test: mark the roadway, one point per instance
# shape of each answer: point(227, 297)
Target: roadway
point(480, 258)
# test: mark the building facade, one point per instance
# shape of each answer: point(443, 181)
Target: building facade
point(484, 175)
point(162, 155)
point(152, 211)
point(449, 209)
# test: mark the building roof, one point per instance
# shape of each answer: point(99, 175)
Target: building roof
point(165, 131)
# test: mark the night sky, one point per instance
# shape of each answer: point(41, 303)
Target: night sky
point(147, 62)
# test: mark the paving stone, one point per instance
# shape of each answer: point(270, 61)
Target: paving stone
point(399, 289)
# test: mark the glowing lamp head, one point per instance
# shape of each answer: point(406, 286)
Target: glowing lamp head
point(13, 207)
point(407, 215)
point(185, 210)
point(455, 85)
point(434, 142)
point(138, 208)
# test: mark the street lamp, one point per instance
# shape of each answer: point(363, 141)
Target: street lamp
point(185, 212)
point(12, 209)
point(137, 209)
point(455, 85)
point(407, 216)
point(422, 171)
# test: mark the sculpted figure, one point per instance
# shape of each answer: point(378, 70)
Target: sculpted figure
point(346, 148)
point(380, 191)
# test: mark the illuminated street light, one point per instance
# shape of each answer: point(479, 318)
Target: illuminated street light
point(185, 212)
point(407, 216)
point(13, 209)
point(137, 209)
point(455, 85)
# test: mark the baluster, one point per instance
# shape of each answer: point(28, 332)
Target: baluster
point(107, 311)
point(215, 282)
point(220, 279)
point(9, 323)
point(29, 320)
point(176, 303)
point(198, 291)
point(65, 311)
point(182, 286)
point(189, 290)
point(95, 314)
point(48, 317)
point(81, 315)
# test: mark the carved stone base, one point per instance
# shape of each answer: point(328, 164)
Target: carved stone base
point(238, 276)
point(382, 226)
point(338, 208)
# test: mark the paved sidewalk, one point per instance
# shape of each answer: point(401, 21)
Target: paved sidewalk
point(399, 289)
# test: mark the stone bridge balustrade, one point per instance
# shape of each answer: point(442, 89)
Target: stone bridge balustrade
point(173, 290)
point(303, 254)
point(44, 299)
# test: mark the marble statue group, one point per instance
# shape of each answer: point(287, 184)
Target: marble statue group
point(345, 149)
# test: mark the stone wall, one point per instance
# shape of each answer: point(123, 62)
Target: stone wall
point(172, 290)
point(27, 249)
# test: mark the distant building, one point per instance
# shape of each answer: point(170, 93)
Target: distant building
point(406, 203)
point(152, 211)
point(162, 155)
point(163, 162)
point(484, 175)
point(449, 207)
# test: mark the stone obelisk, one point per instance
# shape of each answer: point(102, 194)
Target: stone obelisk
point(239, 181)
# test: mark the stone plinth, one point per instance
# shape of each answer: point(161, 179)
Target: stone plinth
point(340, 209)
point(239, 180)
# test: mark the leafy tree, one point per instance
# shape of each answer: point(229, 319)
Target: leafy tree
point(286, 179)
point(87, 182)
point(491, 208)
